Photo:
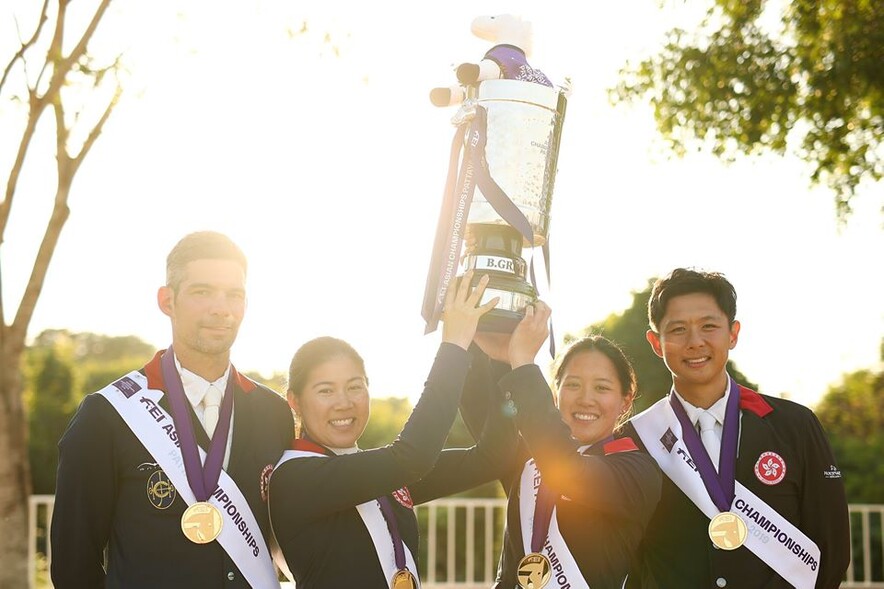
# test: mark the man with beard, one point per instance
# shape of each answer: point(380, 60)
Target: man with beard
point(162, 474)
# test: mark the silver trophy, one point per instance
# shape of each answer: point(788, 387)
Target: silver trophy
point(508, 140)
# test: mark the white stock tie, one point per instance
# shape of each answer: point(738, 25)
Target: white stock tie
point(709, 438)
point(211, 402)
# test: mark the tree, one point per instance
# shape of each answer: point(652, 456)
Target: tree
point(628, 330)
point(51, 402)
point(744, 90)
point(852, 414)
point(62, 368)
point(48, 76)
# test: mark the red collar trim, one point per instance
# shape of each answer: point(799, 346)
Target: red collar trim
point(620, 445)
point(154, 372)
point(245, 383)
point(752, 401)
point(306, 445)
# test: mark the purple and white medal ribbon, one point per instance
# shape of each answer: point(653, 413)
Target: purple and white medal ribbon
point(202, 521)
point(726, 530)
point(403, 578)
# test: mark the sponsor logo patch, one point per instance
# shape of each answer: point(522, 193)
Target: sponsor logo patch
point(832, 472)
point(127, 386)
point(770, 468)
point(669, 440)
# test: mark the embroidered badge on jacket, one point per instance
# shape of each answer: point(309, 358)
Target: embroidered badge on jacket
point(770, 468)
point(265, 481)
point(160, 491)
point(403, 497)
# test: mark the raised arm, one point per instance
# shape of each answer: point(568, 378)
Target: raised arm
point(306, 488)
point(626, 484)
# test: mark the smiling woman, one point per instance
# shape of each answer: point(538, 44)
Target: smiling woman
point(578, 500)
point(331, 502)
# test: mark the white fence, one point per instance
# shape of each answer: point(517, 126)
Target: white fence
point(461, 541)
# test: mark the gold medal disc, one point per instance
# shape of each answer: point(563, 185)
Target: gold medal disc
point(403, 579)
point(534, 571)
point(201, 522)
point(727, 530)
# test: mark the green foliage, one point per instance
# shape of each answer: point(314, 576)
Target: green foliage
point(60, 369)
point(852, 414)
point(51, 401)
point(628, 330)
point(388, 416)
point(741, 89)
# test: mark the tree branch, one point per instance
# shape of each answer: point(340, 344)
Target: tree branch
point(96, 130)
point(20, 54)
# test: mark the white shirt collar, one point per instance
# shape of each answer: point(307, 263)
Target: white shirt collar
point(195, 386)
point(717, 409)
point(341, 451)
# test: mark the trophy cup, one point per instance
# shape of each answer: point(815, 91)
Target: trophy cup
point(498, 196)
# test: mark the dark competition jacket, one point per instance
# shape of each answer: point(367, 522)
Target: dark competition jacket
point(102, 495)
point(677, 552)
point(606, 495)
point(313, 505)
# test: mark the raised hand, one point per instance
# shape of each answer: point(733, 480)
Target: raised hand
point(461, 313)
point(529, 334)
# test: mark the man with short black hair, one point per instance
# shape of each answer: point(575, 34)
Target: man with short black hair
point(752, 497)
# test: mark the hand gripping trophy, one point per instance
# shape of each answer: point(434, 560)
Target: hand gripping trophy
point(506, 145)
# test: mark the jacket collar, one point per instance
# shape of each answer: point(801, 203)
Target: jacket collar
point(753, 402)
point(154, 373)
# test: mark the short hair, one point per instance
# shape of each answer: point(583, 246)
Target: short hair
point(314, 353)
point(200, 245)
point(622, 365)
point(682, 281)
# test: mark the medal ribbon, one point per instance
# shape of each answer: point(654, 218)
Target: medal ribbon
point(390, 518)
point(203, 478)
point(719, 485)
point(543, 507)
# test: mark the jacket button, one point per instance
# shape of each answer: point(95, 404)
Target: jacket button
point(720, 581)
point(231, 576)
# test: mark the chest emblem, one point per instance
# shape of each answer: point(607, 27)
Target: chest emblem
point(403, 497)
point(770, 468)
point(265, 481)
point(160, 491)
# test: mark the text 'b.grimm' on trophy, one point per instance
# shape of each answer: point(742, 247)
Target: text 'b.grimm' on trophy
point(509, 128)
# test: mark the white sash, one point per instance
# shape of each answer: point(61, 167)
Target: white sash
point(240, 534)
point(564, 567)
point(772, 538)
point(374, 521)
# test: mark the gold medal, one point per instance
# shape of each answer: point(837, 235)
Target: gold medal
point(201, 522)
point(727, 530)
point(403, 579)
point(534, 571)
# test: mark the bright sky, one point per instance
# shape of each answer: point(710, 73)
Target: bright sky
point(329, 170)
